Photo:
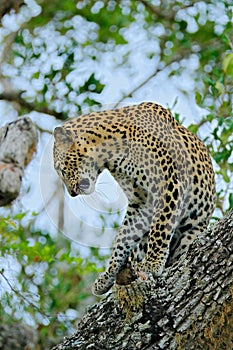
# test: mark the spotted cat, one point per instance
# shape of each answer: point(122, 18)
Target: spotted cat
point(164, 170)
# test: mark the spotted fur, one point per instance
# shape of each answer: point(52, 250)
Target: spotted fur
point(164, 170)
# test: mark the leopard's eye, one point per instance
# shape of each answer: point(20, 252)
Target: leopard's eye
point(63, 172)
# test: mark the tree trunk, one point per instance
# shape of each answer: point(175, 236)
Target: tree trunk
point(18, 142)
point(189, 307)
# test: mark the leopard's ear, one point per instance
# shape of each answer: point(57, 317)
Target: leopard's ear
point(63, 136)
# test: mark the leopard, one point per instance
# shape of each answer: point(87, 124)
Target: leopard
point(164, 169)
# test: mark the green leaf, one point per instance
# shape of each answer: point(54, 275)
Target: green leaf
point(227, 64)
point(193, 128)
point(224, 174)
point(219, 86)
point(198, 98)
point(92, 84)
point(230, 199)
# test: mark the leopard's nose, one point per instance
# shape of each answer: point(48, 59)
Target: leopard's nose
point(84, 184)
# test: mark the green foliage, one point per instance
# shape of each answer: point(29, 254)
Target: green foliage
point(52, 278)
point(110, 19)
point(227, 65)
point(216, 99)
point(92, 84)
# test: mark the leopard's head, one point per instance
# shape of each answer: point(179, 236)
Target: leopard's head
point(74, 162)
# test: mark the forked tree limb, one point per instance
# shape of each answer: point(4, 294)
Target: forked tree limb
point(187, 308)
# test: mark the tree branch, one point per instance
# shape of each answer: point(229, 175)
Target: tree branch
point(131, 92)
point(7, 5)
point(175, 58)
point(180, 310)
point(167, 14)
point(18, 142)
point(16, 97)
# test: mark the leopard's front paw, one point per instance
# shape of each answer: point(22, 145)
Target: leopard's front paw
point(102, 284)
point(149, 267)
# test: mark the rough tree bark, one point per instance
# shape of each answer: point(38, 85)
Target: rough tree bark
point(18, 142)
point(189, 307)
